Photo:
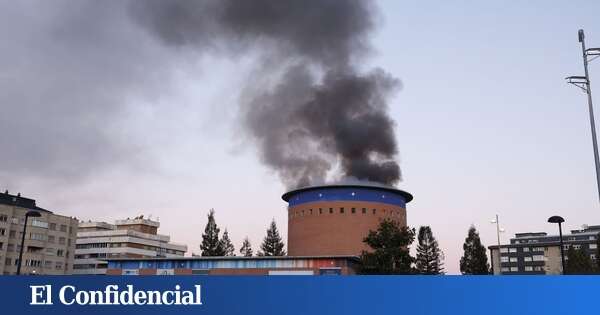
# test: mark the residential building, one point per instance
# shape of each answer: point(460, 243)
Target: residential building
point(232, 265)
point(49, 240)
point(539, 253)
point(129, 238)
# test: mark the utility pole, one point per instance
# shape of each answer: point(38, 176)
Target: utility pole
point(583, 82)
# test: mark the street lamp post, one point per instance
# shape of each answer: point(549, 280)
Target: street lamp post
point(33, 214)
point(559, 220)
point(498, 231)
point(583, 82)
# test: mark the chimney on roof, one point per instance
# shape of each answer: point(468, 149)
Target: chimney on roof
point(19, 195)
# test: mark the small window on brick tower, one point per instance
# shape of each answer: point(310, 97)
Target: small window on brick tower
point(320, 210)
point(353, 210)
point(374, 210)
point(331, 210)
point(342, 210)
point(364, 210)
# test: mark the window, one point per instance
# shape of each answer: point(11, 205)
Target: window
point(527, 258)
point(47, 264)
point(320, 210)
point(353, 210)
point(592, 238)
point(37, 236)
point(538, 257)
point(63, 228)
point(505, 269)
point(364, 210)
point(2, 232)
point(52, 226)
point(58, 265)
point(504, 259)
point(12, 234)
point(3, 218)
point(10, 248)
point(525, 249)
point(512, 250)
point(537, 249)
point(60, 253)
point(374, 210)
point(593, 256)
point(38, 223)
point(538, 268)
point(593, 246)
point(342, 210)
point(1, 245)
point(514, 269)
point(310, 211)
point(513, 259)
point(504, 250)
point(331, 210)
point(528, 268)
point(7, 261)
point(50, 238)
point(578, 246)
point(50, 251)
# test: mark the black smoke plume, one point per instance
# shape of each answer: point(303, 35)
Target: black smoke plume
point(309, 108)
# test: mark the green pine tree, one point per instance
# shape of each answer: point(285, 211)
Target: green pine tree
point(272, 244)
point(226, 245)
point(390, 249)
point(211, 246)
point(578, 262)
point(246, 249)
point(429, 255)
point(474, 261)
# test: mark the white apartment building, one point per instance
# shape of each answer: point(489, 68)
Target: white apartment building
point(129, 238)
point(49, 239)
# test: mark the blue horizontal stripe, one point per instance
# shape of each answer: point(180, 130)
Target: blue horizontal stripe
point(348, 194)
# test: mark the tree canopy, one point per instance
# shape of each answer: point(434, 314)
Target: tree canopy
point(390, 249)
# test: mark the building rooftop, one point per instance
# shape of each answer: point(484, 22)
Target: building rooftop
point(407, 196)
point(18, 201)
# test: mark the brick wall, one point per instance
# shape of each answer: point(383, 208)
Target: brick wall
point(313, 230)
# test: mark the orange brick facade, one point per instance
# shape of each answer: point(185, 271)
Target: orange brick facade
point(336, 227)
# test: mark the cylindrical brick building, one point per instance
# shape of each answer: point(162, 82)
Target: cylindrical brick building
point(334, 219)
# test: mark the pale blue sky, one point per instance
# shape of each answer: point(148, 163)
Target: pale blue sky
point(485, 125)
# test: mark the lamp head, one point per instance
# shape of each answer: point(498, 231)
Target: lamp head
point(556, 219)
point(581, 35)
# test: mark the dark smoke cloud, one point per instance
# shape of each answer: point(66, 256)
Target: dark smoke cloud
point(71, 69)
point(318, 110)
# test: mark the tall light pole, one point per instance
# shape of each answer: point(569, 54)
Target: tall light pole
point(559, 220)
point(32, 214)
point(498, 231)
point(583, 82)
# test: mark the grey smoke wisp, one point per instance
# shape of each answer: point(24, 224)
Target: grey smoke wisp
point(318, 111)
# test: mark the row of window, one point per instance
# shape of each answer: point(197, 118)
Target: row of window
point(35, 250)
point(572, 238)
point(342, 210)
point(506, 259)
point(505, 250)
point(139, 246)
point(48, 264)
point(527, 268)
point(38, 223)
